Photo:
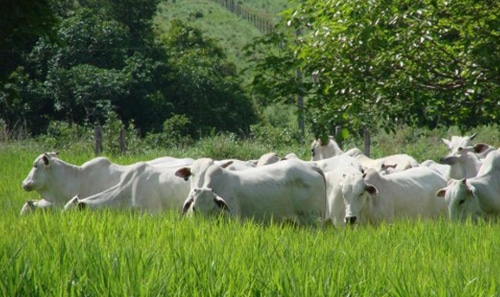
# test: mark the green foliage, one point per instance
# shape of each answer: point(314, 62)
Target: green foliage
point(22, 22)
point(384, 63)
point(217, 23)
point(205, 85)
point(277, 127)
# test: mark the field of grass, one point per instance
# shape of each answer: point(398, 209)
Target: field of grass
point(112, 253)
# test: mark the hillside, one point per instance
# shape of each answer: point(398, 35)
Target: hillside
point(269, 6)
point(216, 22)
point(232, 32)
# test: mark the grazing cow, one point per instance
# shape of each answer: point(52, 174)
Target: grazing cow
point(386, 165)
point(477, 196)
point(287, 191)
point(320, 150)
point(58, 181)
point(143, 187)
point(463, 163)
point(341, 183)
point(408, 194)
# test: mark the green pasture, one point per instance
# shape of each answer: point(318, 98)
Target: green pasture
point(112, 253)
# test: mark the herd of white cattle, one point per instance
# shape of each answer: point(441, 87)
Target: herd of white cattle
point(340, 187)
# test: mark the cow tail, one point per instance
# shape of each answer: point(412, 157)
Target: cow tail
point(325, 202)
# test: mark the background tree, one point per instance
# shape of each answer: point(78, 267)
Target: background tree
point(205, 85)
point(377, 64)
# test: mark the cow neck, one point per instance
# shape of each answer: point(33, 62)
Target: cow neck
point(66, 183)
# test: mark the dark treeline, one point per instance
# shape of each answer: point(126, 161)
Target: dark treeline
point(88, 59)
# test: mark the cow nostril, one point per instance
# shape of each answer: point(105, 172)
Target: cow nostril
point(350, 220)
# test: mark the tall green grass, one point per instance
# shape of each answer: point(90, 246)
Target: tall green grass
point(113, 253)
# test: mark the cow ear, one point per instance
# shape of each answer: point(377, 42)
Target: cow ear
point(45, 160)
point(385, 166)
point(184, 172)
point(221, 203)
point(227, 164)
point(480, 147)
point(447, 142)
point(371, 189)
point(187, 205)
point(441, 192)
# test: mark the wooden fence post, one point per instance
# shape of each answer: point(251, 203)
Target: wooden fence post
point(367, 142)
point(98, 140)
point(121, 140)
point(338, 136)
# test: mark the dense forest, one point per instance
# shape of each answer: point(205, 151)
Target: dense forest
point(342, 63)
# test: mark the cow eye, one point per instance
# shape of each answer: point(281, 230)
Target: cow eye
point(35, 165)
point(460, 202)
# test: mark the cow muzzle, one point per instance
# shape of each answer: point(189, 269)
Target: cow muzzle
point(28, 187)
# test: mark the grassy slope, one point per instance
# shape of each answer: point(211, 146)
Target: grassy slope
point(231, 32)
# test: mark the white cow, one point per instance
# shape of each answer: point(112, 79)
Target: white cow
point(143, 187)
point(463, 163)
point(457, 143)
point(58, 181)
point(408, 194)
point(477, 196)
point(287, 191)
point(341, 183)
point(320, 150)
point(386, 165)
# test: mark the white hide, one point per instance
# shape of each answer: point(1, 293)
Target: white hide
point(463, 163)
point(477, 196)
point(457, 143)
point(144, 187)
point(335, 162)
point(443, 169)
point(343, 182)
point(408, 194)
point(287, 191)
point(386, 165)
point(320, 150)
point(58, 181)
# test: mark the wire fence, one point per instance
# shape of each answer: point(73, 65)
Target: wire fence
point(263, 21)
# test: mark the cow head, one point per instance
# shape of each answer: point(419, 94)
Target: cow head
point(197, 171)
point(461, 198)
point(356, 193)
point(458, 142)
point(205, 202)
point(38, 177)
